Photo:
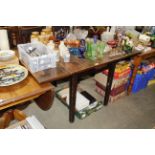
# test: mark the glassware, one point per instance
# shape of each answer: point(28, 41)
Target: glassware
point(66, 57)
point(88, 50)
point(82, 48)
point(71, 36)
point(94, 51)
point(100, 49)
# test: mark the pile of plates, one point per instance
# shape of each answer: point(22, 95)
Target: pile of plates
point(6, 55)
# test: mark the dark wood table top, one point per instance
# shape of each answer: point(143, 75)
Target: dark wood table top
point(75, 66)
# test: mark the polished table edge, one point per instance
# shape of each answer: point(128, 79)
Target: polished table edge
point(13, 103)
point(49, 80)
point(41, 100)
point(148, 55)
point(34, 93)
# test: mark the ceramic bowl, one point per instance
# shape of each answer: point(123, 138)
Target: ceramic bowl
point(6, 55)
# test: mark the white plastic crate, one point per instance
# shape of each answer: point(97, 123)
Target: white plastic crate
point(44, 60)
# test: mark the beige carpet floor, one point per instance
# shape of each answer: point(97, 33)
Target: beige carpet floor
point(135, 111)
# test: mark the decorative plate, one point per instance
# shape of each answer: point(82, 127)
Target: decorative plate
point(12, 74)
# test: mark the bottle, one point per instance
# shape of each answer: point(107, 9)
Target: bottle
point(100, 49)
point(89, 49)
point(71, 37)
point(62, 48)
point(106, 36)
point(66, 56)
point(94, 48)
point(82, 48)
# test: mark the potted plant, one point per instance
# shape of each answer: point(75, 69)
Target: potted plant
point(127, 44)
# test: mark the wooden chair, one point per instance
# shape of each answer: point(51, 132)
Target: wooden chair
point(24, 33)
point(9, 116)
point(20, 34)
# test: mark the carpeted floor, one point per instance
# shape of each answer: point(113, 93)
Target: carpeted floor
point(135, 111)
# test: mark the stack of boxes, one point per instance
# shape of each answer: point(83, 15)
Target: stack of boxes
point(119, 84)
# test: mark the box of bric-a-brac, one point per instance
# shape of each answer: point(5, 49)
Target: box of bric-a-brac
point(37, 56)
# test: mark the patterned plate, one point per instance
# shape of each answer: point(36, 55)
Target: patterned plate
point(12, 74)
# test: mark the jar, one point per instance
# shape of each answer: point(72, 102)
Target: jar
point(43, 33)
point(35, 33)
point(34, 38)
point(42, 38)
point(47, 33)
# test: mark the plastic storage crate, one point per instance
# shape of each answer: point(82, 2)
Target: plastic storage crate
point(151, 74)
point(141, 80)
point(37, 63)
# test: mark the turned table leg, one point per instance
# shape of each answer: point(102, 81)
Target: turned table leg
point(45, 100)
point(136, 63)
point(109, 82)
point(72, 97)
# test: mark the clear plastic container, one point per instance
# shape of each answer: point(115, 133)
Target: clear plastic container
point(37, 56)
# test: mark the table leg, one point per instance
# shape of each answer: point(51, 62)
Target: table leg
point(109, 82)
point(136, 63)
point(72, 96)
point(45, 100)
